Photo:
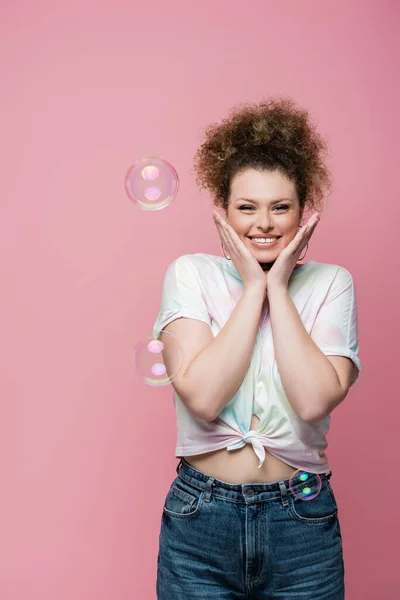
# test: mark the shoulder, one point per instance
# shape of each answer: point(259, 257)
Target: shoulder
point(329, 272)
point(332, 282)
point(198, 262)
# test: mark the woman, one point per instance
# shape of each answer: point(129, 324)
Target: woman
point(270, 351)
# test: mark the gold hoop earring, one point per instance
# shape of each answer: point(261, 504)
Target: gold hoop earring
point(305, 254)
point(303, 257)
point(223, 250)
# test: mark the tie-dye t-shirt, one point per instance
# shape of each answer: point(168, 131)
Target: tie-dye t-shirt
point(207, 288)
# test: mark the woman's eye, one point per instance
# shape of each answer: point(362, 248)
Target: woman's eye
point(246, 207)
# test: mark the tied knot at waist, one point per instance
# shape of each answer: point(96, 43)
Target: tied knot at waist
point(251, 437)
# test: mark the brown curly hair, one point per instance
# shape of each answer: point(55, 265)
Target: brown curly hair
point(272, 135)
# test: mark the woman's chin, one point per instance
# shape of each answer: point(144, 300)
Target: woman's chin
point(264, 256)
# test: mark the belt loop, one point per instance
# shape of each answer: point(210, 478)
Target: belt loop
point(284, 493)
point(208, 490)
point(178, 466)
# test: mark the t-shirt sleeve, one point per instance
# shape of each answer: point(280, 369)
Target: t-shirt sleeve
point(182, 295)
point(335, 329)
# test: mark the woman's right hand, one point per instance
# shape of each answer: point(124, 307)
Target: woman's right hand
point(245, 262)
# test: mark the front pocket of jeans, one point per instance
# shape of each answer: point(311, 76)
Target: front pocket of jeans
point(182, 504)
point(321, 509)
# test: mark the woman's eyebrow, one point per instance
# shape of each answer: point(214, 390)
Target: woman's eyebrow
point(271, 202)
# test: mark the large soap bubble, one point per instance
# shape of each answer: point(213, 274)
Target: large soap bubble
point(152, 183)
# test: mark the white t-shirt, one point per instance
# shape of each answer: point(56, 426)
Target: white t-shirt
point(206, 287)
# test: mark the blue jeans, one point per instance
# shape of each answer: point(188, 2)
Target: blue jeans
point(254, 541)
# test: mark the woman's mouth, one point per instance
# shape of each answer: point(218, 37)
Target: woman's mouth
point(263, 242)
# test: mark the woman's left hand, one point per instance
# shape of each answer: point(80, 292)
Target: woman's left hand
point(280, 272)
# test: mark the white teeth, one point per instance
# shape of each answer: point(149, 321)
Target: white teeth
point(265, 240)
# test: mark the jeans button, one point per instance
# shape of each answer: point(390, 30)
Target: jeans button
point(249, 492)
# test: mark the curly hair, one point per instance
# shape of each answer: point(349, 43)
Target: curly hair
point(272, 135)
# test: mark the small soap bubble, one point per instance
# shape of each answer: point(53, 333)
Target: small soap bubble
point(149, 363)
point(152, 183)
point(305, 486)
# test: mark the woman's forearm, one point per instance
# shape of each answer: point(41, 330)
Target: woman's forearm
point(218, 370)
point(310, 381)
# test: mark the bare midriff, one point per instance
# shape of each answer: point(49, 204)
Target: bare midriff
point(241, 465)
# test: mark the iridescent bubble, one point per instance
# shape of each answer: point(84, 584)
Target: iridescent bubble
point(164, 183)
point(305, 486)
point(149, 362)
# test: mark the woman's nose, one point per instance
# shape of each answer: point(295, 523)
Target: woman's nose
point(264, 222)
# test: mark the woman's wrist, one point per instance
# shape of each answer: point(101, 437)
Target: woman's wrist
point(258, 289)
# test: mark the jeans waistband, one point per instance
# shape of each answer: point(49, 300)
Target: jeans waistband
point(251, 491)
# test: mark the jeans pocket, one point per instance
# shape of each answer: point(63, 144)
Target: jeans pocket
point(182, 500)
point(321, 509)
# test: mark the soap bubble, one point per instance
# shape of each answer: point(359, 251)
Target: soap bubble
point(152, 183)
point(149, 362)
point(305, 486)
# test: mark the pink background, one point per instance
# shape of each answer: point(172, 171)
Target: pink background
point(87, 449)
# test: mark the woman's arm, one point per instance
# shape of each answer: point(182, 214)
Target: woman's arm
point(215, 373)
point(311, 383)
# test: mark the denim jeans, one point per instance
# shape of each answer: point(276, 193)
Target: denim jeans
point(254, 541)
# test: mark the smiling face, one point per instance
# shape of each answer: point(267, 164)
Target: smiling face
point(264, 204)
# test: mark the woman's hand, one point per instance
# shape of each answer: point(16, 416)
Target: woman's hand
point(245, 262)
point(248, 266)
point(280, 272)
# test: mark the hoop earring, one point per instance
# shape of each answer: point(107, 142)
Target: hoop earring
point(305, 254)
point(302, 258)
point(227, 257)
